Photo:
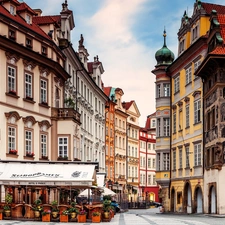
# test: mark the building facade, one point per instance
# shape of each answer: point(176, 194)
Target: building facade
point(211, 72)
point(148, 188)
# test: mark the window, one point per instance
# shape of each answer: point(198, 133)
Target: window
point(197, 111)
point(43, 145)
point(176, 84)
point(11, 138)
point(159, 127)
point(198, 154)
point(63, 146)
point(28, 85)
point(188, 75)
point(174, 123)
point(180, 158)
point(187, 156)
point(159, 161)
point(149, 179)
point(196, 65)
point(28, 18)
point(44, 50)
point(12, 79)
point(28, 43)
point(153, 163)
point(149, 162)
point(28, 141)
point(166, 88)
point(12, 34)
point(149, 146)
point(187, 116)
point(166, 161)
point(158, 94)
point(153, 123)
point(181, 46)
point(12, 10)
point(166, 127)
point(194, 33)
point(174, 159)
point(154, 180)
point(44, 92)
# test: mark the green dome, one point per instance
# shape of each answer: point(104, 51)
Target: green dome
point(164, 56)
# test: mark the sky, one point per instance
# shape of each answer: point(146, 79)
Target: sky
point(125, 34)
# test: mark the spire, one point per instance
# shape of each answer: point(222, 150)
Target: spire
point(164, 35)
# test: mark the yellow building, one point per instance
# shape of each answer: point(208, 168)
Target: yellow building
point(184, 178)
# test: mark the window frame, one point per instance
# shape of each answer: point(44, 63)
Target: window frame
point(64, 146)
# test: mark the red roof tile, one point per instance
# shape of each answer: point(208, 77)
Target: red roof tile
point(41, 20)
point(17, 18)
point(107, 90)
point(24, 7)
point(127, 105)
point(14, 1)
point(209, 7)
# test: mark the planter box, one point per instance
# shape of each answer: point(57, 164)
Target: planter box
point(63, 218)
point(46, 218)
point(96, 219)
point(81, 218)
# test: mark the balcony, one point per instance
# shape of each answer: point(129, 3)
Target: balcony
point(66, 114)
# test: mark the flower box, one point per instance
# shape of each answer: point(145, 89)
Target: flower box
point(12, 92)
point(44, 157)
point(63, 218)
point(81, 218)
point(29, 154)
point(13, 151)
point(63, 158)
point(29, 98)
point(46, 218)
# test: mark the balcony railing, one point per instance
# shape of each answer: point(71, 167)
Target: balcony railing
point(65, 113)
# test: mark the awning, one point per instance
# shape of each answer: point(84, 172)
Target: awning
point(50, 174)
point(105, 191)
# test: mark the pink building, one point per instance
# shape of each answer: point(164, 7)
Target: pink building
point(148, 188)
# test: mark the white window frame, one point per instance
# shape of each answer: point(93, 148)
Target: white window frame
point(176, 84)
point(187, 152)
point(188, 73)
point(28, 85)
point(180, 158)
point(174, 160)
point(11, 138)
point(174, 122)
point(44, 144)
point(187, 116)
point(166, 161)
point(198, 154)
point(158, 88)
point(11, 78)
point(166, 89)
point(63, 145)
point(166, 127)
point(43, 91)
point(197, 111)
point(28, 141)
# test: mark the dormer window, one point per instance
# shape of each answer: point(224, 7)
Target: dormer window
point(181, 46)
point(194, 33)
point(43, 50)
point(12, 10)
point(28, 18)
point(12, 34)
point(28, 43)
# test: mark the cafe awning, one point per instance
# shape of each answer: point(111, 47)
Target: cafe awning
point(47, 174)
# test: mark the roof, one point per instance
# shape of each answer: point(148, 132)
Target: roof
point(41, 20)
point(91, 64)
point(14, 1)
point(220, 50)
point(24, 7)
point(107, 90)
point(209, 7)
point(18, 19)
point(127, 105)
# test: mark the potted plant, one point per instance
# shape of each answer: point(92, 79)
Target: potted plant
point(55, 209)
point(6, 207)
point(37, 208)
point(96, 217)
point(69, 102)
point(106, 208)
point(73, 210)
point(81, 217)
point(46, 215)
point(29, 154)
point(64, 216)
point(13, 151)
